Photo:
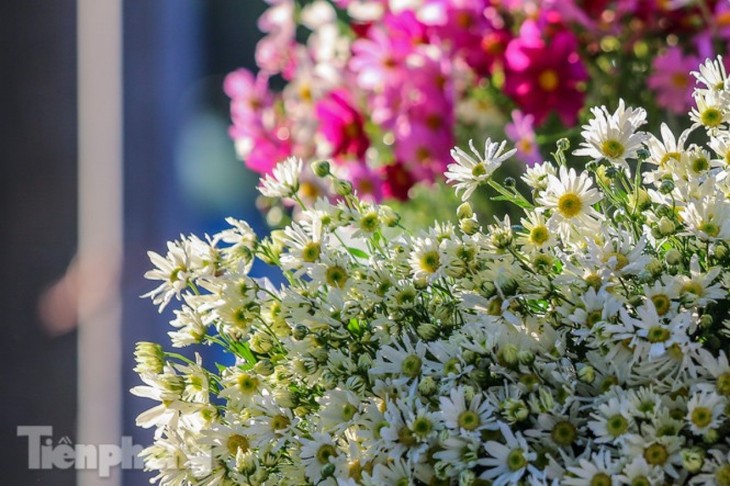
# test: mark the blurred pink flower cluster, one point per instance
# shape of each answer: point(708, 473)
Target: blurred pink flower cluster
point(383, 88)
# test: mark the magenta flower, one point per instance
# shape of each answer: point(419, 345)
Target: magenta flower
point(544, 76)
point(462, 27)
point(376, 62)
point(671, 80)
point(366, 181)
point(342, 125)
point(522, 133)
point(261, 149)
point(249, 95)
point(398, 181)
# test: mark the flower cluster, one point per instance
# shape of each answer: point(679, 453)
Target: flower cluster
point(586, 345)
point(385, 88)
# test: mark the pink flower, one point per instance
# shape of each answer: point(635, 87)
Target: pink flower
point(424, 147)
point(671, 79)
point(522, 133)
point(377, 62)
point(342, 125)
point(398, 181)
point(462, 27)
point(366, 181)
point(249, 94)
point(261, 149)
point(542, 76)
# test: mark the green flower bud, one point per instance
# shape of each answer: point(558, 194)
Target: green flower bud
point(427, 386)
point(300, 332)
point(720, 252)
point(149, 357)
point(666, 226)
point(673, 257)
point(654, 266)
point(464, 211)
point(711, 436)
point(389, 217)
point(264, 367)
point(321, 168)
point(692, 459)
point(509, 182)
point(508, 354)
point(328, 470)
point(469, 226)
point(427, 331)
point(666, 186)
point(525, 356)
point(587, 374)
point(563, 144)
point(342, 188)
point(706, 321)
point(469, 356)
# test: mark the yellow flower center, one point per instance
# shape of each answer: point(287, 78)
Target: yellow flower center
point(569, 205)
point(700, 164)
point(237, 442)
point(612, 149)
point(324, 453)
point(692, 287)
point(310, 252)
point(479, 170)
point(722, 475)
point(411, 366)
point(709, 228)
point(668, 156)
point(279, 422)
point(539, 235)
point(469, 420)
point(621, 260)
point(548, 80)
point(711, 117)
point(601, 479)
point(680, 80)
point(656, 455)
point(701, 417)
point(723, 384)
point(617, 425)
point(641, 481)
point(661, 303)
point(516, 460)
point(336, 276)
point(430, 261)
point(564, 433)
point(657, 334)
point(248, 384)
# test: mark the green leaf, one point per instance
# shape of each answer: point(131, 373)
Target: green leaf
point(357, 253)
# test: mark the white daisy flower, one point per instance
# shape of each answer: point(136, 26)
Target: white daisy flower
point(470, 171)
point(283, 181)
point(613, 136)
point(318, 452)
point(711, 111)
point(638, 471)
point(597, 471)
point(570, 198)
point(507, 462)
point(538, 236)
point(704, 411)
point(459, 416)
point(537, 176)
point(174, 270)
point(712, 74)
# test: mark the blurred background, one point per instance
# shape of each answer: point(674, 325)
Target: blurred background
point(76, 175)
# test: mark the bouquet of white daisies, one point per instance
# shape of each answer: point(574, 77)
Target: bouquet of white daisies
point(585, 344)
